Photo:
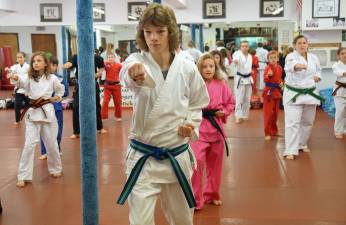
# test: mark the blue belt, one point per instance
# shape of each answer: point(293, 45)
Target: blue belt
point(272, 87)
point(158, 154)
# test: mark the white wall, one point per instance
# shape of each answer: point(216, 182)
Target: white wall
point(24, 37)
point(323, 36)
point(28, 12)
point(323, 23)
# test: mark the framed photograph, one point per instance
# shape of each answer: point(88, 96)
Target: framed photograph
point(135, 10)
point(51, 12)
point(339, 22)
point(343, 36)
point(214, 9)
point(325, 8)
point(271, 8)
point(99, 12)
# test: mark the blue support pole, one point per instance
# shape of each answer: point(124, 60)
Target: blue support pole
point(201, 41)
point(193, 33)
point(64, 51)
point(87, 111)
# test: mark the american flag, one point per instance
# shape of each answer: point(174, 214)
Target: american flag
point(299, 7)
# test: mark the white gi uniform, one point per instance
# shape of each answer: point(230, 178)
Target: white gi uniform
point(262, 62)
point(160, 106)
point(21, 71)
point(242, 86)
point(299, 115)
point(339, 69)
point(39, 125)
point(195, 53)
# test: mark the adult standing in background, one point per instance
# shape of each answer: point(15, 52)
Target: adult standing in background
point(300, 97)
point(262, 62)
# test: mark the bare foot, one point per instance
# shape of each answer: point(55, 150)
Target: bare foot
point(118, 119)
point(102, 131)
point(306, 150)
point(216, 202)
point(57, 175)
point(42, 157)
point(20, 183)
point(238, 121)
point(339, 136)
point(74, 136)
point(290, 157)
point(267, 138)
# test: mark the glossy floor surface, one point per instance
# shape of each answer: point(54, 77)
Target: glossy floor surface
point(258, 186)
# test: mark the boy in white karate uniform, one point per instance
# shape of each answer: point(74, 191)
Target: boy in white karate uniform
point(169, 94)
point(242, 82)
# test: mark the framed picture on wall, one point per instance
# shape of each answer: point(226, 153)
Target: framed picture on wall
point(51, 12)
point(135, 10)
point(214, 9)
point(99, 12)
point(325, 8)
point(271, 8)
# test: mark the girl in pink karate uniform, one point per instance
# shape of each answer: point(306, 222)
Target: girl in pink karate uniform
point(209, 149)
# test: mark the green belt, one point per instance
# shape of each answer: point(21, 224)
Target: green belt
point(158, 154)
point(304, 91)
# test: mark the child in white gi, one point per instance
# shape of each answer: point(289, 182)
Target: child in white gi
point(300, 97)
point(40, 119)
point(21, 69)
point(243, 82)
point(169, 94)
point(339, 94)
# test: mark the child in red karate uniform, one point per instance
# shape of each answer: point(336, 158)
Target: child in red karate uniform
point(112, 87)
point(272, 94)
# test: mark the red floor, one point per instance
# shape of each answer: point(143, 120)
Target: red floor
point(258, 187)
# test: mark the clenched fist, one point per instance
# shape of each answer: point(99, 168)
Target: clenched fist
point(186, 130)
point(137, 72)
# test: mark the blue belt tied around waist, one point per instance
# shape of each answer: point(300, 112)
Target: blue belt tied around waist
point(159, 154)
point(272, 87)
point(242, 76)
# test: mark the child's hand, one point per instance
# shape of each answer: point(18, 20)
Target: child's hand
point(137, 72)
point(186, 130)
point(55, 99)
point(270, 73)
point(12, 76)
point(316, 79)
point(281, 85)
point(219, 113)
point(236, 61)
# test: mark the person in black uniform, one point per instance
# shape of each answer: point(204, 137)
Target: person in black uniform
point(99, 67)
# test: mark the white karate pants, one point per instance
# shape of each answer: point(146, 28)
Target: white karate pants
point(142, 201)
point(340, 115)
point(299, 120)
point(242, 100)
point(33, 132)
point(261, 83)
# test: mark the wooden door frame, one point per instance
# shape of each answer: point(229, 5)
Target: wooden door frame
point(17, 41)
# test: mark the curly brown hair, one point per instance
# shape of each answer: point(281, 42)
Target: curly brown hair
point(37, 74)
point(217, 75)
point(161, 16)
